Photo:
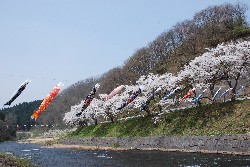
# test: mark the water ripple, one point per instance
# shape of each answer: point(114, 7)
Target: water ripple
point(48, 157)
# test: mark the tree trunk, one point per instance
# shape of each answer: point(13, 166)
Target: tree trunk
point(148, 112)
point(95, 121)
point(111, 119)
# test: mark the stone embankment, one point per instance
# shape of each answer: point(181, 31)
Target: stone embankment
point(231, 144)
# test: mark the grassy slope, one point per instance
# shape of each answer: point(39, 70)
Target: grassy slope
point(213, 119)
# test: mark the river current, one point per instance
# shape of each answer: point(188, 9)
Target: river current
point(58, 157)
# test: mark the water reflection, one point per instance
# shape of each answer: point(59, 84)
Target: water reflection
point(56, 157)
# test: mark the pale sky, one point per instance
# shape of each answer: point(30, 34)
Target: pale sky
point(52, 41)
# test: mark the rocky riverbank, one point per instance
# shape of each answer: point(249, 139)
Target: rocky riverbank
point(39, 140)
point(6, 162)
point(10, 161)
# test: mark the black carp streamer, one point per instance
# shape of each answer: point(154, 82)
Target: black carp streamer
point(18, 92)
point(88, 99)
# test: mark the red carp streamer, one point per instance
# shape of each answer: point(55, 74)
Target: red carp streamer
point(47, 100)
point(190, 92)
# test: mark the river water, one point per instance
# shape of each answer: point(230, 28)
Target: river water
point(58, 157)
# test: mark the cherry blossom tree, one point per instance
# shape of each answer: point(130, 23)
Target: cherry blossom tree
point(227, 62)
point(235, 63)
point(203, 70)
point(71, 118)
point(109, 107)
point(154, 84)
point(93, 111)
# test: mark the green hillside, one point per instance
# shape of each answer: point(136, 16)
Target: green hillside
point(213, 119)
point(20, 114)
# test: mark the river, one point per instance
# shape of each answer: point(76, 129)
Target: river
point(58, 157)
